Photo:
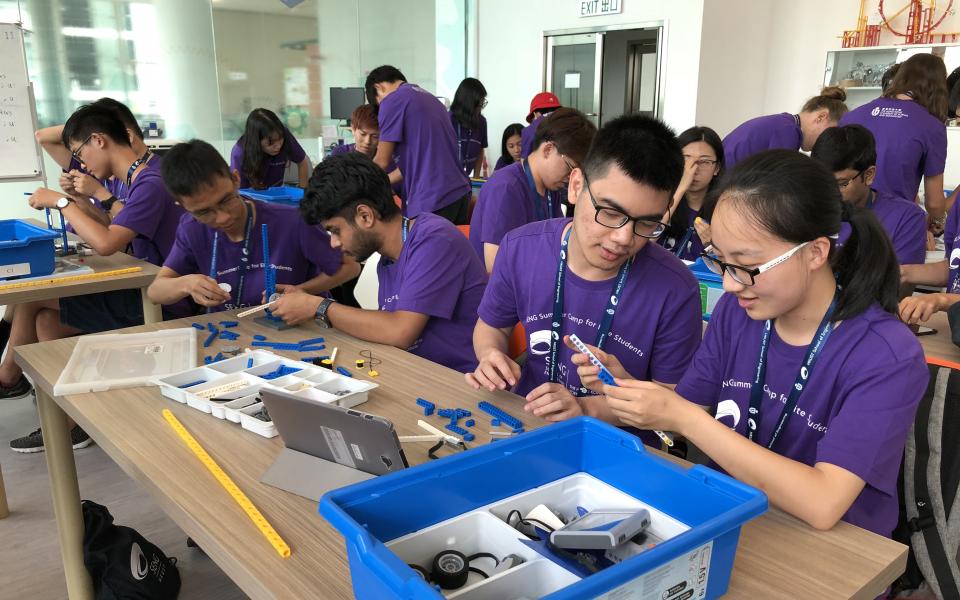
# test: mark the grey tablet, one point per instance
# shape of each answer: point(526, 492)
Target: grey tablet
point(327, 446)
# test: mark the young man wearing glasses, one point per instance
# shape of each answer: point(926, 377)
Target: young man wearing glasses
point(851, 153)
point(217, 258)
point(600, 275)
point(99, 141)
point(526, 191)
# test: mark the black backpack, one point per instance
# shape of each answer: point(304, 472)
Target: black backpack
point(929, 481)
point(122, 563)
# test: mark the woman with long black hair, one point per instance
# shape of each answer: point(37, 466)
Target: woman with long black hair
point(263, 151)
point(469, 125)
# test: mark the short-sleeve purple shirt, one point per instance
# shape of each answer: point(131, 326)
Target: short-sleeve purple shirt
point(505, 203)
point(470, 142)
point(437, 274)
point(911, 143)
point(272, 168)
point(298, 252)
point(855, 412)
point(654, 333)
point(414, 120)
point(527, 134)
point(759, 134)
point(904, 222)
point(152, 214)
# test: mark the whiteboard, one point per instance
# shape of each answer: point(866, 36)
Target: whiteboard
point(19, 151)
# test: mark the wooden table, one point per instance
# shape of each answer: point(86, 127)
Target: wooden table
point(63, 289)
point(778, 558)
point(939, 348)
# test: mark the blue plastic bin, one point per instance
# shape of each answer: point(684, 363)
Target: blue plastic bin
point(374, 512)
point(26, 250)
point(280, 195)
point(711, 287)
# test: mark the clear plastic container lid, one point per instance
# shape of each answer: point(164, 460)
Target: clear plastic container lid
point(121, 360)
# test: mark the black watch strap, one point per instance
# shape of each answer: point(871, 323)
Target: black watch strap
point(108, 203)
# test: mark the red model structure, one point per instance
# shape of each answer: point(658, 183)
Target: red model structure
point(922, 21)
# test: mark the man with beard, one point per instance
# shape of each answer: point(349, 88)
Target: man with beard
point(431, 280)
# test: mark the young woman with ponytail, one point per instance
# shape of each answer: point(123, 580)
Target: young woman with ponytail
point(813, 379)
point(785, 130)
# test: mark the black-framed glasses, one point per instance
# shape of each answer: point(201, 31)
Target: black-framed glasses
point(741, 274)
point(615, 218)
point(843, 183)
point(205, 214)
point(704, 162)
point(76, 153)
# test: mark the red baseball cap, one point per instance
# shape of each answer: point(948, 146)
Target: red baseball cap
point(541, 101)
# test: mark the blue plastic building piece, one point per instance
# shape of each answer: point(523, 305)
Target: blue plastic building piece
point(312, 348)
point(280, 371)
point(344, 372)
point(229, 323)
point(249, 363)
point(469, 437)
point(211, 327)
point(276, 346)
point(504, 417)
point(458, 430)
point(229, 335)
point(518, 430)
point(192, 383)
point(310, 342)
point(207, 360)
point(210, 338)
point(218, 357)
point(428, 406)
point(198, 326)
point(469, 422)
point(463, 413)
point(261, 338)
point(495, 422)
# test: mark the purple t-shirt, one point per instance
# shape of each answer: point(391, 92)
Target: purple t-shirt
point(855, 412)
point(504, 161)
point(437, 274)
point(526, 137)
point(348, 148)
point(470, 142)
point(692, 245)
point(298, 252)
point(951, 246)
point(272, 168)
point(911, 143)
point(117, 187)
point(759, 134)
point(656, 328)
point(417, 123)
point(505, 203)
point(152, 214)
point(904, 222)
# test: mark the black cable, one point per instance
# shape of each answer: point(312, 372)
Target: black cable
point(528, 522)
point(473, 557)
point(478, 572)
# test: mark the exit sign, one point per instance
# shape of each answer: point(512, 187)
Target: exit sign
point(595, 8)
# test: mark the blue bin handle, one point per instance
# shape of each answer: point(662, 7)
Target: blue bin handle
point(388, 567)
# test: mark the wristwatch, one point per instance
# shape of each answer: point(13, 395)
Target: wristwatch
point(321, 317)
point(108, 203)
point(63, 202)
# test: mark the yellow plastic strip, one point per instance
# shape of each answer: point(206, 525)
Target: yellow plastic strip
point(69, 278)
point(258, 519)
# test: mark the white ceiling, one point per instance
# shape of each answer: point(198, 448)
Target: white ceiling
point(308, 8)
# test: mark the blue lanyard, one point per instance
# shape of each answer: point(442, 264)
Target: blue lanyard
point(557, 323)
point(681, 246)
point(136, 163)
point(806, 369)
point(404, 230)
point(244, 257)
point(538, 199)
